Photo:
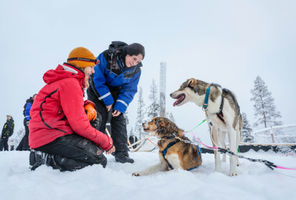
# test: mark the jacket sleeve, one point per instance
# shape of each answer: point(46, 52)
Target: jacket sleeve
point(127, 93)
point(4, 129)
point(11, 129)
point(100, 81)
point(71, 97)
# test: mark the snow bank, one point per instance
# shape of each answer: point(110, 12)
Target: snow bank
point(255, 180)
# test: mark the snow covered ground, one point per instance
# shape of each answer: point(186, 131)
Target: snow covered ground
point(254, 182)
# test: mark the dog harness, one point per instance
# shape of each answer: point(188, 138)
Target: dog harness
point(164, 152)
point(206, 102)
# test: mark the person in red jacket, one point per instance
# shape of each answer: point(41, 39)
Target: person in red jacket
point(60, 133)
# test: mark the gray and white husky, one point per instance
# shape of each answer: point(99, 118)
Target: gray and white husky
point(222, 112)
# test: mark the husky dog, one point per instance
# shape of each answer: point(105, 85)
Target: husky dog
point(175, 150)
point(222, 112)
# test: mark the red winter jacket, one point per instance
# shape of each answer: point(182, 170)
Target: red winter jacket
point(58, 110)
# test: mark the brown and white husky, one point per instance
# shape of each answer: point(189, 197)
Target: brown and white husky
point(175, 150)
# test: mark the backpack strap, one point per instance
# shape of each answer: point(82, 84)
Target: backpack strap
point(113, 54)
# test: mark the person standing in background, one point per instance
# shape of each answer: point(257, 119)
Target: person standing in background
point(24, 144)
point(7, 131)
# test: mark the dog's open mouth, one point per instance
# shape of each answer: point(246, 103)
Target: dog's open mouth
point(179, 98)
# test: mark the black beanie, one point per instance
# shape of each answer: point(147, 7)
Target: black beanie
point(134, 49)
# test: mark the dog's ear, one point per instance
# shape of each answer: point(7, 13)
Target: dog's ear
point(161, 123)
point(160, 126)
point(161, 129)
point(171, 127)
point(192, 82)
point(197, 86)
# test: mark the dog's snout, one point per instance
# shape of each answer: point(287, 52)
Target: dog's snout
point(171, 95)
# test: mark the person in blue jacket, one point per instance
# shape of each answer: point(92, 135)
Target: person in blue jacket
point(113, 87)
point(24, 143)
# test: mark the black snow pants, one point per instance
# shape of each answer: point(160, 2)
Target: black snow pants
point(118, 124)
point(72, 152)
point(4, 144)
point(24, 144)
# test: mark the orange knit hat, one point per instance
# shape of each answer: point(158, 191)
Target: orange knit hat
point(82, 57)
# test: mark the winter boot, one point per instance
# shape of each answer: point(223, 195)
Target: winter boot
point(66, 164)
point(37, 158)
point(123, 158)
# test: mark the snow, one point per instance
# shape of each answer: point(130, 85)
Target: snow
point(255, 181)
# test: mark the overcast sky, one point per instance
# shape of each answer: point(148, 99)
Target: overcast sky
point(227, 42)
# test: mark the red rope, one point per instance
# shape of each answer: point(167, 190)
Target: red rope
point(280, 167)
point(151, 141)
point(204, 144)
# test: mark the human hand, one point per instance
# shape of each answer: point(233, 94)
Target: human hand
point(90, 111)
point(109, 107)
point(116, 113)
point(111, 150)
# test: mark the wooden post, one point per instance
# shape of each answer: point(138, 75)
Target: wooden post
point(162, 89)
point(272, 137)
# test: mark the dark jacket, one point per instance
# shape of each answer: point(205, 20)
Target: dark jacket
point(8, 127)
point(111, 72)
point(58, 110)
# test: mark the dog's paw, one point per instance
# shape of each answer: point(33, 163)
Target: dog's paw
point(136, 174)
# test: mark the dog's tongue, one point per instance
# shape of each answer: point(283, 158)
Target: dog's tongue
point(175, 103)
point(179, 100)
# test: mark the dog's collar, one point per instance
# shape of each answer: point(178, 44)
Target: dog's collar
point(206, 101)
point(169, 137)
point(173, 135)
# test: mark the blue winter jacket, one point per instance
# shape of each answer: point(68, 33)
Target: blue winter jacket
point(127, 81)
point(27, 110)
